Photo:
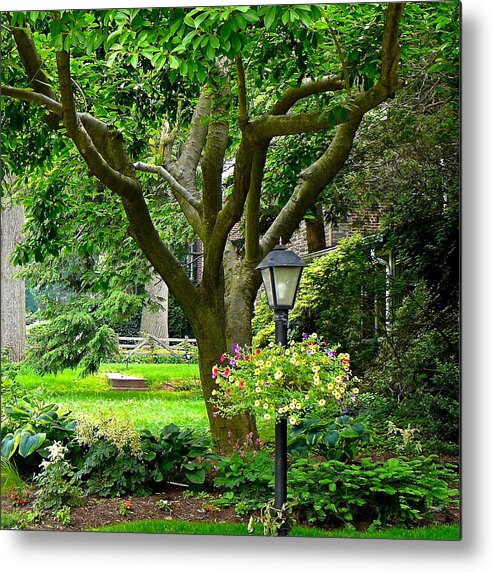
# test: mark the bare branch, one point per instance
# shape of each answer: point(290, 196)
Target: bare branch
point(390, 46)
point(242, 99)
point(188, 203)
point(306, 89)
point(190, 156)
point(341, 55)
point(33, 97)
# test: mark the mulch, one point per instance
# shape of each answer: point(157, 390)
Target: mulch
point(98, 512)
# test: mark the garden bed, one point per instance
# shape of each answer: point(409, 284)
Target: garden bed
point(98, 512)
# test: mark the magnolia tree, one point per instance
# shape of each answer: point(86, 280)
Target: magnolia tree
point(156, 102)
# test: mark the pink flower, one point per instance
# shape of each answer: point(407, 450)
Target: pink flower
point(226, 372)
point(223, 357)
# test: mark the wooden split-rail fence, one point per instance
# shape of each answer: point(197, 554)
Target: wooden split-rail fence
point(181, 348)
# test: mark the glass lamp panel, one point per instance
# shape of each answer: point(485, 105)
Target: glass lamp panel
point(267, 280)
point(286, 282)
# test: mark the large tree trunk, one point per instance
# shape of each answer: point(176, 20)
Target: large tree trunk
point(154, 319)
point(212, 340)
point(13, 302)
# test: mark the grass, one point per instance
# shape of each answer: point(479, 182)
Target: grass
point(446, 532)
point(10, 477)
point(92, 396)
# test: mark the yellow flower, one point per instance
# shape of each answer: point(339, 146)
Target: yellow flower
point(287, 352)
point(316, 368)
point(338, 379)
point(268, 364)
point(266, 406)
point(356, 390)
point(336, 394)
point(258, 389)
point(292, 405)
point(314, 335)
point(257, 403)
point(271, 344)
point(266, 416)
point(294, 361)
point(330, 386)
point(322, 402)
point(298, 405)
point(278, 374)
point(293, 420)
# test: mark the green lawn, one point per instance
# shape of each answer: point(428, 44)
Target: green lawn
point(449, 532)
point(151, 409)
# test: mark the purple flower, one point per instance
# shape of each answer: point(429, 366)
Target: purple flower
point(236, 348)
point(331, 353)
point(304, 336)
point(266, 384)
point(309, 352)
point(344, 411)
point(232, 361)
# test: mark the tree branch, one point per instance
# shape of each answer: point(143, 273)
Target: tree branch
point(30, 96)
point(188, 203)
point(390, 47)
point(316, 177)
point(34, 66)
point(310, 183)
point(252, 205)
point(242, 98)
point(186, 166)
point(306, 89)
point(115, 180)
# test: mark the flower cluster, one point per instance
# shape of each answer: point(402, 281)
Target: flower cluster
point(125, 507)
point(290, 382)
point(15, 497)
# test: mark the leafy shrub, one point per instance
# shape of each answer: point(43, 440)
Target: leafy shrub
point(176, 454)
point(56, 484)
point(397, 491)
point(340, 439)
point(30, 426)
point(246, 478)
point(111, 472)
point(415, 378)
point(112, 462)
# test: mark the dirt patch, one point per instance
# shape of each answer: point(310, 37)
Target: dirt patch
point(97, 511)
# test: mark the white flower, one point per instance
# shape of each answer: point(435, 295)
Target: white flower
point(57, 451)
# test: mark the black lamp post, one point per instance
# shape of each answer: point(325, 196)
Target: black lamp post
point(281, 273)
